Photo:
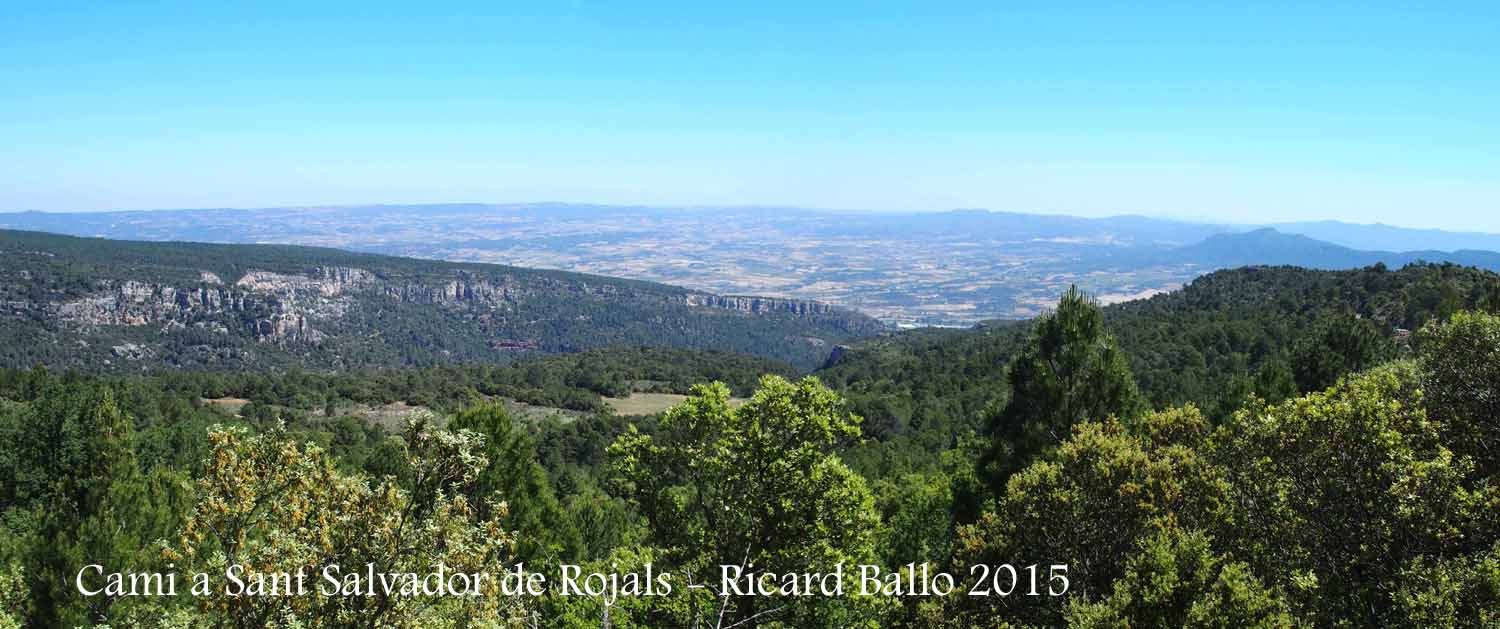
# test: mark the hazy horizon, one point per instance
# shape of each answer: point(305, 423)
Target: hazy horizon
point(1203, 220)
point(1246, 115)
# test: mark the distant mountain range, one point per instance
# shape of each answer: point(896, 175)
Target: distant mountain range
point(1379, 237)
point(908, 269)
point(198, 224)
point(1268, 246)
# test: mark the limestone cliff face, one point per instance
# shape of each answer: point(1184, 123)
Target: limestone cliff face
point(760, 305)
point(467, 289)
point(140, 303)
point(328, 282)
point(819, 311)
point(272, 307)
point(281, 307)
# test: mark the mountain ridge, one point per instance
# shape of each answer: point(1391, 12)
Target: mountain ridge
point(1363, 236)
point(1269, 246)
point(229, 306)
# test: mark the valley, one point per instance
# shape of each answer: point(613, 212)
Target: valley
point(906, 269)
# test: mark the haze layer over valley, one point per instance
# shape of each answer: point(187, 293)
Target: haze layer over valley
point(909, 269)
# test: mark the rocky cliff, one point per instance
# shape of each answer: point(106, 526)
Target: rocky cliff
point(186, 304)
point(847, 319)
point(272, 307)
point(285, 307)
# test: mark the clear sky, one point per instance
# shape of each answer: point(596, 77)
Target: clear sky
point(1360, 111)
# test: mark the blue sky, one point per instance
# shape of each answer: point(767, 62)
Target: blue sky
point(1262, 112)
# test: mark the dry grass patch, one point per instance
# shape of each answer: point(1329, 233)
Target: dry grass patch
point(651, 403)
point(231, 405)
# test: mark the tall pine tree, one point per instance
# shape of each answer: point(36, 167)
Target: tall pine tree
point(532, 508)
point(1070, 371)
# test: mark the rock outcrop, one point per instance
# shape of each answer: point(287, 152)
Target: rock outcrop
point(274, 307)
point(279, 307)
point(329, 282)
point(134, 302)
point(849, 321)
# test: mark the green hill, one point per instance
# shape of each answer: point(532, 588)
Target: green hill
point(1222, 337)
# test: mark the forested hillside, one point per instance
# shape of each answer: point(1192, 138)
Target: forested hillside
point(117, 306)
point(1270, 331)
point(1268, 447)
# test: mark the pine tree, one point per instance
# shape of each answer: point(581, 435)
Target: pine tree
point(85, 516)
point(545, 529)
point(1071, 371)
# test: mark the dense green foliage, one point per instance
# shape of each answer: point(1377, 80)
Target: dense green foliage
point(1267, 447)
point(1325, 507)
point(572, 381)
point(1209, 342)
point(1459, 361)
point(512, 472)
point(760, 486)
point(1071, 371)
point(1224, 337)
